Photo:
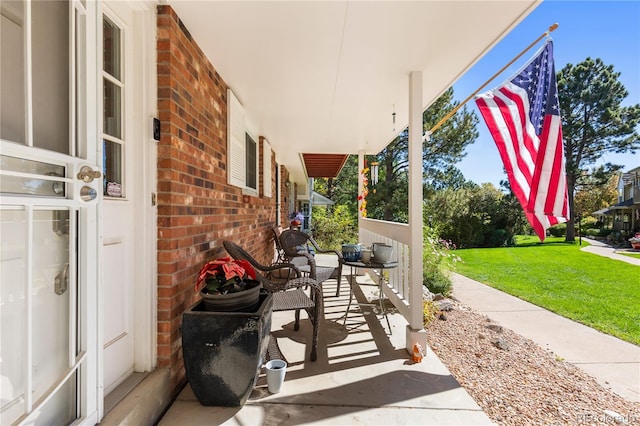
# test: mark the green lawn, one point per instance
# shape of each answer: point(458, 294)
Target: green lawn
point(597, 291)
point(633, 255)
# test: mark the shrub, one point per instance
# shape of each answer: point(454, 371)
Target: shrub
point(437, 281)
point(559, 230)
point(437, 260)
point(430, 312)
point(616, 237)
point(604, 232)
point(499, 238)
point(333, 227)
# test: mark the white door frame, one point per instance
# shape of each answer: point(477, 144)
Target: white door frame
point(145, 174)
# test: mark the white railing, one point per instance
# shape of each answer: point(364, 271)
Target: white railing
point(398, 286)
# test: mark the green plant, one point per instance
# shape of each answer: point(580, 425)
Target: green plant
point(499, 238)
point(334, 227)
point(616, 237)
point(430, 312)
point(437, 260)
point(437, 281)
point(558, 230)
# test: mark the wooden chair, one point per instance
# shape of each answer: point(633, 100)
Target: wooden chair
point(288, 289)
point(296, 244)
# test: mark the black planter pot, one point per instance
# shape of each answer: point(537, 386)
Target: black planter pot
point(242, 301)
point(223, 351)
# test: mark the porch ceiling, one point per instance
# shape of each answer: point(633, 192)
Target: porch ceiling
point(325, 76)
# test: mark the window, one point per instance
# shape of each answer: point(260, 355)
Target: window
point(113, 88)
point(243, 156)
point(251, 180)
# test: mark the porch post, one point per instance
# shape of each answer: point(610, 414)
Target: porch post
point(360, 186)
point(415, 332)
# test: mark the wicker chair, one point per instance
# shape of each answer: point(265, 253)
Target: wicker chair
point(297, 244)
point(281, 257)
point(288, 290)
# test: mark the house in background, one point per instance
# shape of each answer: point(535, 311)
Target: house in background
point(135, 137)
point(626, 212)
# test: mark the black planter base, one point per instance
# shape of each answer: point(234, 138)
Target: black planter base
point(223, 351)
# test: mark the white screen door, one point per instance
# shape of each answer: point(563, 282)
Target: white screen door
point(49, 194)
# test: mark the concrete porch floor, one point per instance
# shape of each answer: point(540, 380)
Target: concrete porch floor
point(363, 375)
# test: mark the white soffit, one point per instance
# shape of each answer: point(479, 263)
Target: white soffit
point(323, 76)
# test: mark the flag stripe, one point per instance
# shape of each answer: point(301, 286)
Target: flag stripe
point(522, 150)
point(519, 184)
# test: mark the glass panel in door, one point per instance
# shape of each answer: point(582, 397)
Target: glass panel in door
point(50, 75)
point(112, 116)
point(37, 283)
point(12, 79)
point(13, 314)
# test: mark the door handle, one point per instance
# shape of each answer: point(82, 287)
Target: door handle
point(61, 282)
point(87, 174)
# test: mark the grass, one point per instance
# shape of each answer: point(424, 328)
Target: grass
point(633, 255)
point(594, 290)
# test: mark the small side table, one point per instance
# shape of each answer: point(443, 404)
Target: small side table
point(375, 266)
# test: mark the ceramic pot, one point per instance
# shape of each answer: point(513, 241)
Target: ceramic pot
point(224, 351)
point(382, 252)
point(351, 252)
point(365, 255)
point(241, 300)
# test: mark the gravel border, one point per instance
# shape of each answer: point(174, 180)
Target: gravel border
point(522, 383)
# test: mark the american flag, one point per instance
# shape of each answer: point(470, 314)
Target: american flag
point(523, 116)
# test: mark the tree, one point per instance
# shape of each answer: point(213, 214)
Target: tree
point(594, 122)
point(344, 188)
point(593, 196)
point(445, 147)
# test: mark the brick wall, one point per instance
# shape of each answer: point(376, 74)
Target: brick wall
point(197, 209)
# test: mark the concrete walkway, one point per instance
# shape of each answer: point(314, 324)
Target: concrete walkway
point(614, 363)
point(603, 249)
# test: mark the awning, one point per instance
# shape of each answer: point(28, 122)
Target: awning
point(624, 205)
point(320, 200)
point(324, 165)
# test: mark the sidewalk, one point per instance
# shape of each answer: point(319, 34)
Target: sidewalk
point(614, 363)
point(603, 249)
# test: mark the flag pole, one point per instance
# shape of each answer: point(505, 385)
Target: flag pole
point(461, 104)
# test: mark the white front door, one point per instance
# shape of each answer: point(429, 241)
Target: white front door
point(117, 252)
point(49, 201)
point(127, 77)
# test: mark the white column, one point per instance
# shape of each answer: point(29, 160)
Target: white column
point(415, 332)
point(360, 187)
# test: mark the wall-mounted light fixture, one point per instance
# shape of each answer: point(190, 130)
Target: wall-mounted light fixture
point(287, 183)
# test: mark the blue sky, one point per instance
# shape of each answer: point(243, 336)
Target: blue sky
point(609, 30)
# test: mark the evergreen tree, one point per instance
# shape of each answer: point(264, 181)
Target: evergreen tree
point(446, 146)
point(594, 122)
